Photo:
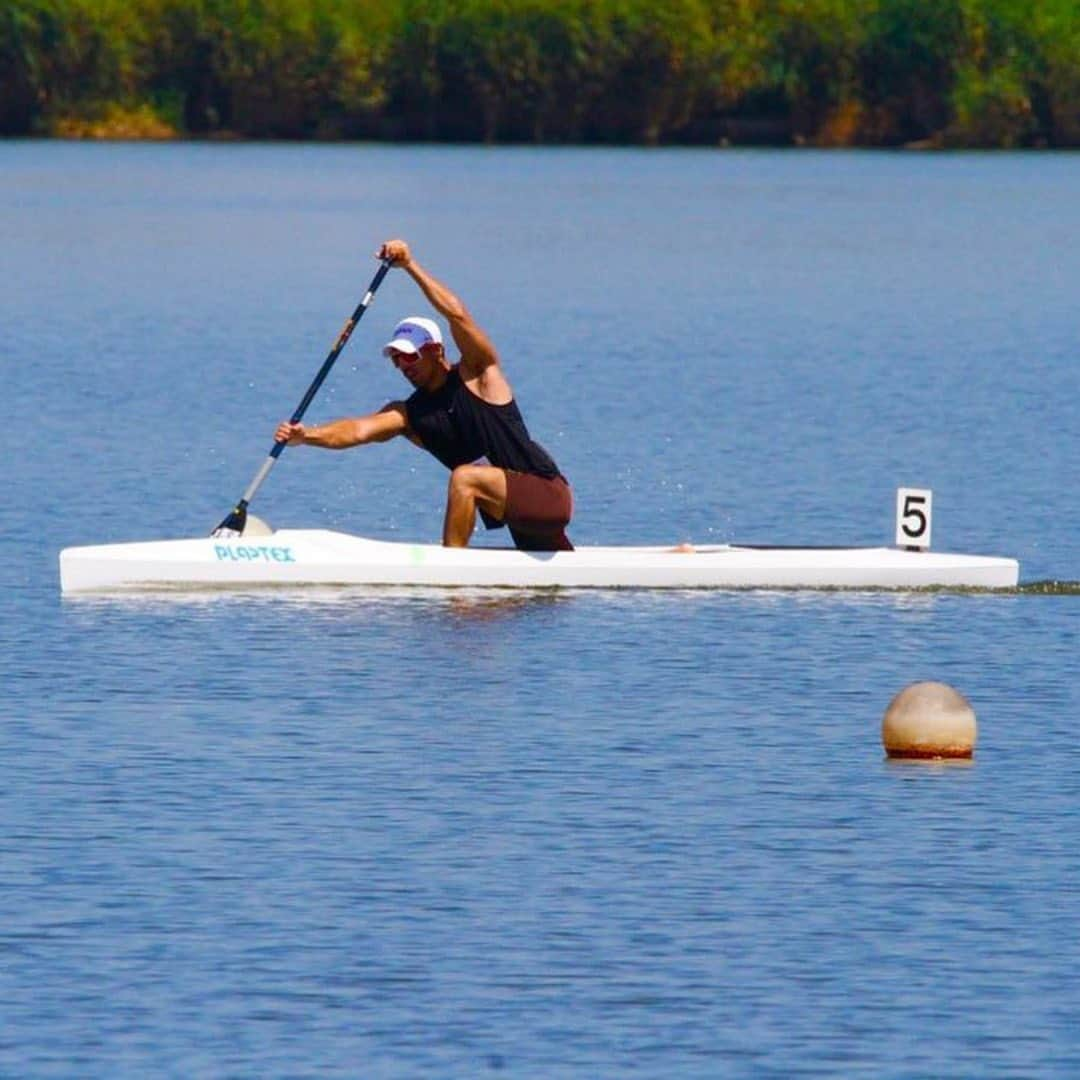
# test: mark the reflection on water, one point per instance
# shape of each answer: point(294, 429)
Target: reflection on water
point(933, 766)
point(316, 597)
point(1050, 588)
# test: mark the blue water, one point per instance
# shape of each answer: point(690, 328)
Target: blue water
point(570, 834)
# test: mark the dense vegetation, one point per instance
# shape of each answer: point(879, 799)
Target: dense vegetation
point(830, 72)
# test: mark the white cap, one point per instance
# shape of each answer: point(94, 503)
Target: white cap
point(412, 334)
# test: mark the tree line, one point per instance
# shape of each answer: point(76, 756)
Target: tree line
point(971, 73)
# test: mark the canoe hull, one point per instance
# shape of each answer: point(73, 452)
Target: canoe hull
point(299, 557)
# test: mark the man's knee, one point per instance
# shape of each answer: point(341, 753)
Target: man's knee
point(464, 480)
point(484, 484)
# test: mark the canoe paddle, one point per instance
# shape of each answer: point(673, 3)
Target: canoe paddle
point(235, 522)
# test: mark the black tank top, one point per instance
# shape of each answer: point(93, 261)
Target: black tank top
point(458, 428)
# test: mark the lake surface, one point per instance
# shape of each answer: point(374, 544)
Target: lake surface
point(556, 834)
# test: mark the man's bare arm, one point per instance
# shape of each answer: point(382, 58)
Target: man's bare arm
point(388, 422)
point(477, 351)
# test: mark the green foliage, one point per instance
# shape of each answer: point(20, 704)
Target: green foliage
point(661, 55)
point(817, 46)
point(907, 68)
point(871, 72)
point(60, 55)
point(1056, 31)
point(990, 108)
point(263, 68)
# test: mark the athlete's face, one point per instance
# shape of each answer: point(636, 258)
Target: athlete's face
point(421, 368)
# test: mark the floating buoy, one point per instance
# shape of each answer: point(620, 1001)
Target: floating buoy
point(929, 720)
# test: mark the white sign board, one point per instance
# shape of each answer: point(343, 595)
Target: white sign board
point(914, 508)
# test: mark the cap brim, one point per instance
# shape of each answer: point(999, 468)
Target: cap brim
point(399, 345)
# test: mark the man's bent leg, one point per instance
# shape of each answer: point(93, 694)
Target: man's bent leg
point(472, 486)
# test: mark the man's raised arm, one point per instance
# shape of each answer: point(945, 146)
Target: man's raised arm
point(477, 351)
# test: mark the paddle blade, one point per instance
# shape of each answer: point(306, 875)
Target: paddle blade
point(234, 523)
point(255, 526)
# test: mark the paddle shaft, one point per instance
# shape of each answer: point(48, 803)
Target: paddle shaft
point(240, 510)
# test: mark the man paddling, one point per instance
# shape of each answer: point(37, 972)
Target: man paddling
point(465, 415)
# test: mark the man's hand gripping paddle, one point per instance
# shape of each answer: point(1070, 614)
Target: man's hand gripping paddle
point(237, 520)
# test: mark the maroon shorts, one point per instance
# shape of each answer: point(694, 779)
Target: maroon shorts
point(537, 511)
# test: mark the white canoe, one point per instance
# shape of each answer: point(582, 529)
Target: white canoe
point(298, 557)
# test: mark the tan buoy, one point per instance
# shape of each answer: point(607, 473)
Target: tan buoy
point(929, 720)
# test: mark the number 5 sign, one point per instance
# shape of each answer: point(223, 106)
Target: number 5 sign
point(913, 510)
